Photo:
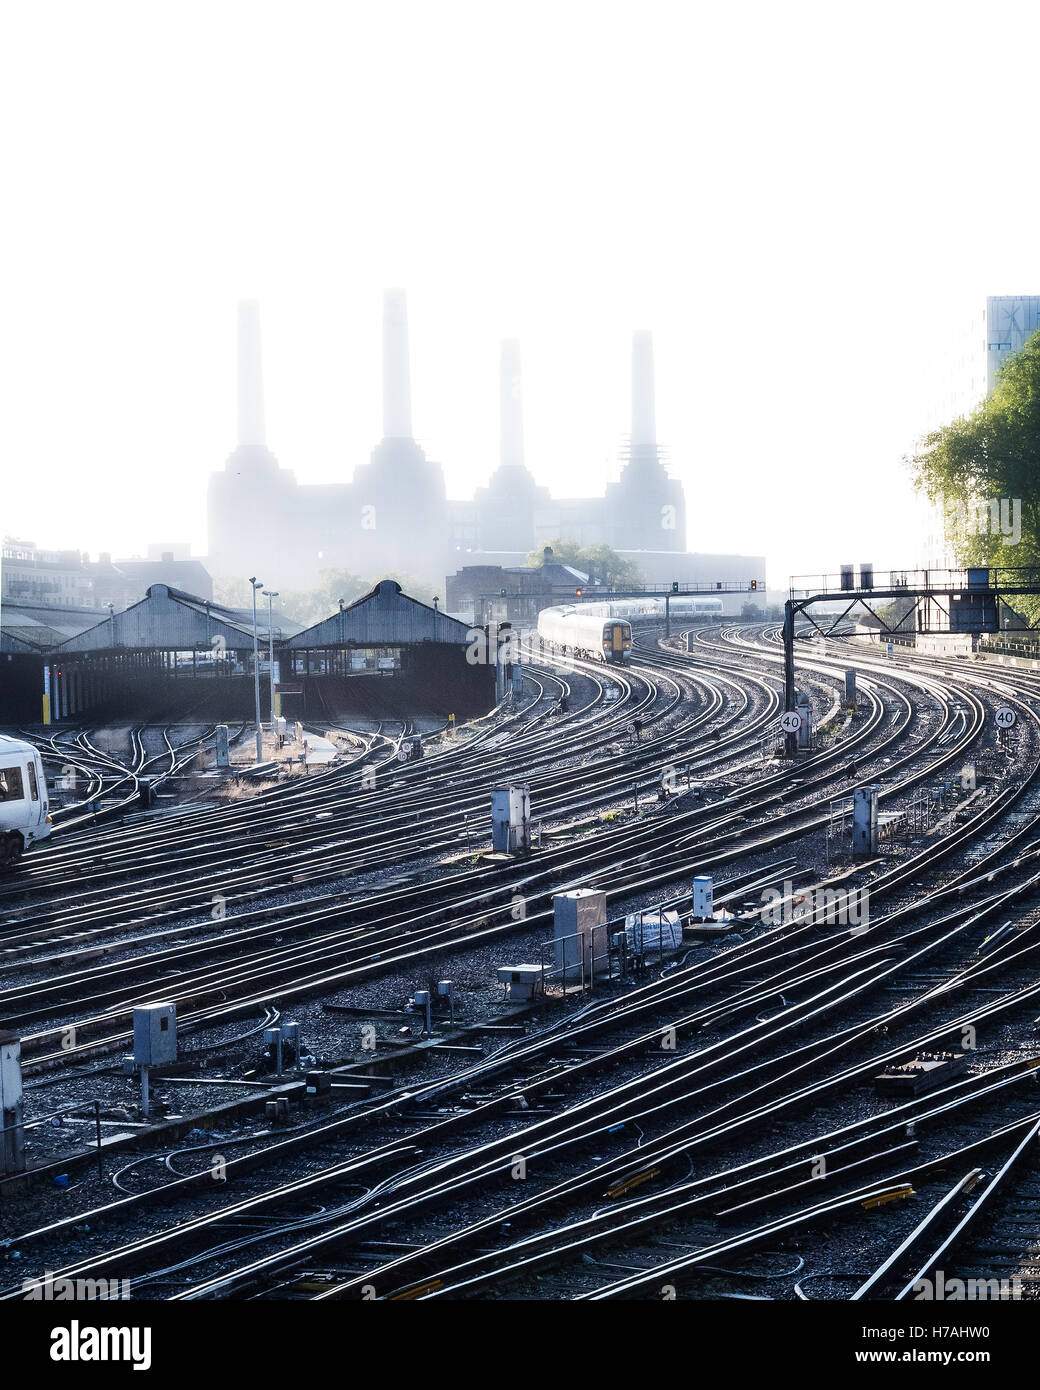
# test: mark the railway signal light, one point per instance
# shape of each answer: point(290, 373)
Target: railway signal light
point(577, 593)
point(754, 585)
point(675, 586)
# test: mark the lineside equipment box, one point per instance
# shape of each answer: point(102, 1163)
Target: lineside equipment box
point(155, 1035)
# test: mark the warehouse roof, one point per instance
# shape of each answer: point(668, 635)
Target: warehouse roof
point(171, 620)
point(386, 617)
point(38, 627)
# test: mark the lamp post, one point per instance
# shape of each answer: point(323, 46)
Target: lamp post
point(257, 584)
point(269, 595)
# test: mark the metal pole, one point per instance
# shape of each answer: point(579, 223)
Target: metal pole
point(256, 674)
point(790, 740)
point(271, 594)
point(667, 615)
point(97, 1126)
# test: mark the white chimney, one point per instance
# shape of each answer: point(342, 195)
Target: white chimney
point(250, 377)
point(511, 413)
point(397, 395)
point(644, 424)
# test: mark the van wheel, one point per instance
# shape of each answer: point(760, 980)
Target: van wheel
point(11, 851)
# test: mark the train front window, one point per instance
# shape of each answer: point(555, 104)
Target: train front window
point(11, 788)
point(34, 790)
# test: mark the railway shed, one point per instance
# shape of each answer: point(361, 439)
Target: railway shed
point(28, 632)
point(172, 656)
point(386, 655)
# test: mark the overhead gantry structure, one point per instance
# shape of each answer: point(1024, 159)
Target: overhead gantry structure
point(941, 601)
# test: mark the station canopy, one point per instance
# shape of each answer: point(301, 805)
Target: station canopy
point(386, 617)
point(27, 627)
point(173, 621)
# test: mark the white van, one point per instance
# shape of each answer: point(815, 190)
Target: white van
point(24, 814)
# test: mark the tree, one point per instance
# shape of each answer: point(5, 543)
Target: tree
point(231, 591)
point(597, 561)
point(984, 472)
point(309, 606)
point(414, 588)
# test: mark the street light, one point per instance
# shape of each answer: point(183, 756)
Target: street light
point(270, 594)
point(257, 584)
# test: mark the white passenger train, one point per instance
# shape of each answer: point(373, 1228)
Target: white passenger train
point(638, 611)
point(24, 812)
point(590, 629)
point(577, 631)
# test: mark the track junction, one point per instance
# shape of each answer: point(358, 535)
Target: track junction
point(704, 1125)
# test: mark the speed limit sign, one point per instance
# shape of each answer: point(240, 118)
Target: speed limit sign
point(790, 721)
point(1005, 718)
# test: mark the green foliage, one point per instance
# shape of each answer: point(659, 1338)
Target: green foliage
point(599, 561)
point(310, 606)
point(992, 457)
point(897, 615)
point(231, 591)
point(414, 588)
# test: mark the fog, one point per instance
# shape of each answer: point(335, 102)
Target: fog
point(799, 202)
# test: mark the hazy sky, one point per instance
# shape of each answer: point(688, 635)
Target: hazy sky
point(798, 200)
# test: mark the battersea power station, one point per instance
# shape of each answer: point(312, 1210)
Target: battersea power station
point(394, 515)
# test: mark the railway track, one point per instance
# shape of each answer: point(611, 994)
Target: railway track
point(771, 1034)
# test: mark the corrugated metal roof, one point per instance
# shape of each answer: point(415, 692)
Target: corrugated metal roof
point(384, 618)
point(39, 626)
point(34, 637)
point(10, 643)
point(167, 620)
point(242, 617)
